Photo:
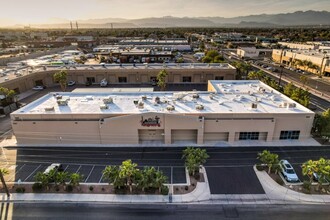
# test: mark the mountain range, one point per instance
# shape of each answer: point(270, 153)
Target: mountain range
point(262, 20)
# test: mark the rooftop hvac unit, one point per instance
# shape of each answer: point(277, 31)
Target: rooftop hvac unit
point(291, 105)
point(157, 100)
point(48, 109)
point(254, 105)
point(144, 97)
point(140, 104)
point(61, 102)
point(195, 96)
point(103, 106)
point(199, 107)
point(107, 100)
point(170, 108)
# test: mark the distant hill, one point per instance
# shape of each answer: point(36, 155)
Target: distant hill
point(262, 20)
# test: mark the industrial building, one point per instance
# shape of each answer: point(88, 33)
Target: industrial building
point(230, 111)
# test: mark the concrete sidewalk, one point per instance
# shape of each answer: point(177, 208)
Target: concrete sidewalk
point(278, 194)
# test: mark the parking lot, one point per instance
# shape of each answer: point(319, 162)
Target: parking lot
point(25, 172)
point(233, 180)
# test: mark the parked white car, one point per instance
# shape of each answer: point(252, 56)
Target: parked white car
point(38, 88)
point(71, 83)
point(103, 83)
point(288, 172)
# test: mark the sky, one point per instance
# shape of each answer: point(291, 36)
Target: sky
point(54, 11)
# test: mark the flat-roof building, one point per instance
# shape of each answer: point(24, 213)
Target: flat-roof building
point(230, 111)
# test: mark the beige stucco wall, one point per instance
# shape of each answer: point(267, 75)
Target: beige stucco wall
point(124, 129)
point(26, 82)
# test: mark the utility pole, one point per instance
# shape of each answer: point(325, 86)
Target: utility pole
point(4, 183)
point(281, 72)
point(77, 24)
point(71, 25)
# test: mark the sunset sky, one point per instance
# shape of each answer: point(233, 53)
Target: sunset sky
point(46, 11)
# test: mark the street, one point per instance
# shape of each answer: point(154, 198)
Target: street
point(70, 211)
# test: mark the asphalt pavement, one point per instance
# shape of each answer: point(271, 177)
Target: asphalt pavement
point(152, 211)
point(229, 169)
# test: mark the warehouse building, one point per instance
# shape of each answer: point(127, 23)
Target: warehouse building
point(230, 111)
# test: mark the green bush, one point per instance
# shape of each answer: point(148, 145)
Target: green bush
point(164, 190)
point(260, 167)
point(37, 187)
point(20, 189)
point(69, 188)
point(307, 185)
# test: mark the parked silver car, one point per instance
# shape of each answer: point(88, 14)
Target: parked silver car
point(288, 172)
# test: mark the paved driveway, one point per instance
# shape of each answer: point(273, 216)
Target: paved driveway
point(233, 180)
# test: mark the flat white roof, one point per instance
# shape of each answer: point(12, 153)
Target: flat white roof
point(231, 97)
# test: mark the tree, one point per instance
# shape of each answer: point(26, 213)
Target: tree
point(42, 178)
point(75, 179)
point(10, 96)
point(146, 178)
point(127, 171)
point(194, 158)
point(61, 77)
point(303, 80)
point(256, 75)
point(111, 174)
point(3, 172)
point(160, 180)
point(309, 168)
point(161, 79)
point(61, 177)
point(288, 89)
point(268, 158)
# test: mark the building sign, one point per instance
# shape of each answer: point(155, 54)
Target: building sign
point(150, 121)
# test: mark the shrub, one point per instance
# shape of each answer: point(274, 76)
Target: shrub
point(307, 185)
point(20, 189)
point(186, 187)
point(91, 188)
point(164, 190)
point(69, 188)
point(37, 187)
point(260, 167)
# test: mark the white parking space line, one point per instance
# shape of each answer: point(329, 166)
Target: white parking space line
point(89, 174)
point(78, 169)
point(13, 176)
point(101, 178)
point(32, 173)
point(66, 168)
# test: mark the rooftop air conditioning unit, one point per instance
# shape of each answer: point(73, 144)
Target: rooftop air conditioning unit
point(195, 96)
point(103, 106)
point(108, 100)
point(157, 100)
point(140, 105)
point(291, 105)
point(199, 107)
point(48, 109)
point(170, 108)
point(254, 105)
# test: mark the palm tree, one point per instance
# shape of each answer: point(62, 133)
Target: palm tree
point(61, 177)
point(111, 174)
point(43, 179)
point(268, 158)
point(161, 79)
point(309, 168)
point(3, 172)
point(259, 75)
point(61, 77)
point(194, 158)
point(146, 177)
point(127, 171)
point(160, 180)
point(75, 179)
